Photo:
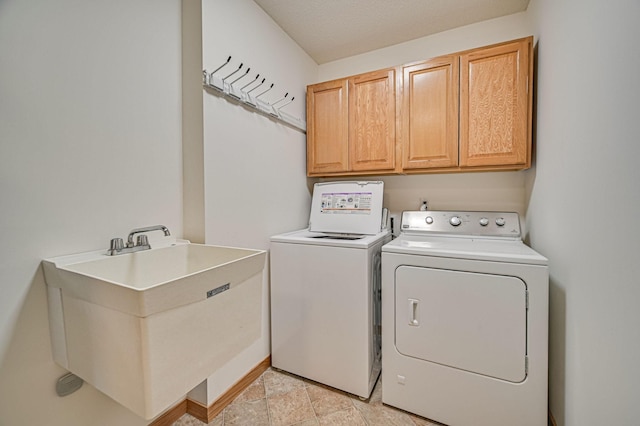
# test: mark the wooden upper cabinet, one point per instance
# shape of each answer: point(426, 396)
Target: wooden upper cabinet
point(496, 105)
point(466, 111)
point(327, 127)
point(372, 121)
point(351, 125)
point(429, 108)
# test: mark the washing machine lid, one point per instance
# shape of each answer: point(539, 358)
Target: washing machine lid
point(511, 251)
point(347, 207)
point(307, 237)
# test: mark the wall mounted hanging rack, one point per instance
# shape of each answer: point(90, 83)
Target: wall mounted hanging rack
point(249, 94)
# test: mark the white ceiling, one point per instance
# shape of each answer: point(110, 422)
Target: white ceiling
point(333, 29)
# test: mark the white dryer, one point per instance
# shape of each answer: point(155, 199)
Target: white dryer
point(465, 320)
point(325, 289)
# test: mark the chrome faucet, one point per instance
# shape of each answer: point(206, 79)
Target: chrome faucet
point(142, 242)
point(147, 229)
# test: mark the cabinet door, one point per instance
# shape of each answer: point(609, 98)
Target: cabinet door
point(430, 114)
point(327, 127)
point(495, 105)
point(372, 121)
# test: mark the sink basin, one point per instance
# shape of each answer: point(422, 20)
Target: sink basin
point(147, 327)
point(151, 281)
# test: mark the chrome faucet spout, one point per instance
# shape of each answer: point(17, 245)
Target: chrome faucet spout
point(147, 229)
point(142, 243)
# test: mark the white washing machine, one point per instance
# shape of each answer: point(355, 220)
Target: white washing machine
point(325, 289)
point(465, 320)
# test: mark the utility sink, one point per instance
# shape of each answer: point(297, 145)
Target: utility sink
point(151, 281)
point(147, 327)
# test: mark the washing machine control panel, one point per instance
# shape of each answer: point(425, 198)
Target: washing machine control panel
point(481, 224)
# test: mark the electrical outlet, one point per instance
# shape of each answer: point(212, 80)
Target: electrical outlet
point(423, 203)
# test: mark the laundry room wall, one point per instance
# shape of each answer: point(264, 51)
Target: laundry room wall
point(89, 149)
point(583, 200)
point(454, 191)
point(255, 181)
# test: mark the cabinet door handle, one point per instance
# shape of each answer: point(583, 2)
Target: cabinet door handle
point(413, 312)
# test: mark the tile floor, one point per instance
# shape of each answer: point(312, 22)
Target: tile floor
point(280, 399)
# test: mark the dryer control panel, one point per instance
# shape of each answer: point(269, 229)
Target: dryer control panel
point(463, 224)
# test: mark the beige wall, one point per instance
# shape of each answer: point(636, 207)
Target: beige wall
point(90, 147)
point(192, 122)
point(467, 37)
point(583, 202)
point(255, 181)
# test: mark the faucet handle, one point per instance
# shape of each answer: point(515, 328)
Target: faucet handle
point(142, 240)
point(116, 245)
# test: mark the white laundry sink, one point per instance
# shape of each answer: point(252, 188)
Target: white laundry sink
point(151, 281)
point(147, 327)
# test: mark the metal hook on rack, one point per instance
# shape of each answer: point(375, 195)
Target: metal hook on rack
point(251, 82)
point(224, 78)
point(217, 69)
point(234, 92)
point(261, 83)
point(224, 87)
point(285, 104)
point(284, 116)
point(270, 87)
point(242, 76)
point(281, 99)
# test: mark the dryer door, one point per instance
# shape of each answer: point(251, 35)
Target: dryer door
point(470, 321)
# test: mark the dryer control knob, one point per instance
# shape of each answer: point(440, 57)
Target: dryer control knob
point(429, 220)
point(455, 221)
point(484, 221)
point(500, 221)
